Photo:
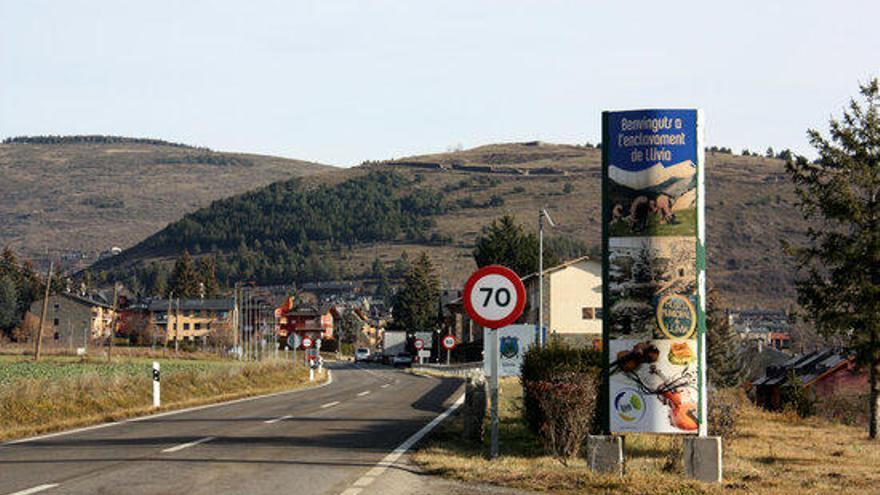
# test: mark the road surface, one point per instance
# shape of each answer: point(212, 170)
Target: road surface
point(328, 440)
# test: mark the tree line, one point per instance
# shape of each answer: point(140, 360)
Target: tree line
point(91, 139)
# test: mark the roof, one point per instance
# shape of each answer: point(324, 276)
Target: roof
point(809, 367)
point(560, 266)
point(88, 299)
point(155, 305)
point(309, 310)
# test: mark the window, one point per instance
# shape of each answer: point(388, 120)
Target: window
point(587, 313)
point(198, 326)
point(198, 312)
point(56, 306)
point(55, 322)
point(186, 326)
point(209, 326)
point(599, 313)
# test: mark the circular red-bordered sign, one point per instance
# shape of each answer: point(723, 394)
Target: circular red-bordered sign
point(307, 342)
point(449, 342)
point(494, 296)
point(419, 344)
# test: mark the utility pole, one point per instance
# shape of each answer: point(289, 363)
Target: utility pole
point(168, 321)
point(113, 320)
point(541, 215)
point(177, 326)
point(38, 344)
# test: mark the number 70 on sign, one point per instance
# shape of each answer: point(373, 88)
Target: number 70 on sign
point(494, 296)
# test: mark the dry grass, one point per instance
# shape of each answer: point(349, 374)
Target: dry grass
point(38, 405)
point(775, 454)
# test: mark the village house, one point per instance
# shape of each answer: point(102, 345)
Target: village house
point(313, 320)
point(190, 320)
point(76, 318)
point(824, 373)
point(572, 301)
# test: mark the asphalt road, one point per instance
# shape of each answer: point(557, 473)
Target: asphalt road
point(327, 440)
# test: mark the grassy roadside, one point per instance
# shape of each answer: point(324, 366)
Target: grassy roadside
point(61, 393)
point(774, 454)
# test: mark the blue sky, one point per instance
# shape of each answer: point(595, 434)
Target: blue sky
point(340, 82)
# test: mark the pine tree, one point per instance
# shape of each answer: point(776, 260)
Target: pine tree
point(839, 263)
point(506, 243)
point(415, 304)
point(184, 280)
point(723, 357)
point(9, 314)
point(208, 276)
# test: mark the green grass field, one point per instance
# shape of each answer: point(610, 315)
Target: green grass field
point(15, 368)
point(63, 392)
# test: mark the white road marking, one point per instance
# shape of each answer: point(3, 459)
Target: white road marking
point(159, 415)
point(187, 445)
point(273, 421)
point(36, 489)
point(391, 458)
point(365, 392)
point(385, 386)
point(330, 404)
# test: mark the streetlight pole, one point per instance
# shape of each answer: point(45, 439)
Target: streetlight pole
point(541, 215)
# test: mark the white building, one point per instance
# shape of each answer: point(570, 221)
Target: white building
point(572, 301)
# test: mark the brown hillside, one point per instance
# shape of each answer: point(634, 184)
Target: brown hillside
point(748, 210)
point(80, 199)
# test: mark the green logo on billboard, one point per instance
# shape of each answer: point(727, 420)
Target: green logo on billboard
point(676, 316)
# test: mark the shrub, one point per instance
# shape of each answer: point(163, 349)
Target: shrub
point(555, 362)
point(725, 411)
point(796, 398)
point(567, 406)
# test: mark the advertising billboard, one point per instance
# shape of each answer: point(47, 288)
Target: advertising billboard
point(654, 270)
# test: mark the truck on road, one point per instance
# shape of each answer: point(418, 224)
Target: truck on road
point(393, 343)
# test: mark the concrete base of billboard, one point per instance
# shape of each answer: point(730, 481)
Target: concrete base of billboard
point(605, 453)
point(702, 458)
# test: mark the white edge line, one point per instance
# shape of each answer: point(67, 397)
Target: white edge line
point(35, 489)
point(330, 404)
point(187, 445)
point(385, 386)
point(391, 458)
point(365, 392)
point(168, 413)
point(273, 421)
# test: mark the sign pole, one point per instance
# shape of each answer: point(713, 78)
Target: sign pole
point(493, 453)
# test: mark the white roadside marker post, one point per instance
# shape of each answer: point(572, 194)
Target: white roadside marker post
point(157, 397)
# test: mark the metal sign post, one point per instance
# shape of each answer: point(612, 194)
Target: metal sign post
point(494, 297)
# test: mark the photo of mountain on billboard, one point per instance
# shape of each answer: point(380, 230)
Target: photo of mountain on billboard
point(641, 271)
point(656, 201)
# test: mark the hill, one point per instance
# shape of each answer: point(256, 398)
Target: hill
point(77, 196)
point(336, 224)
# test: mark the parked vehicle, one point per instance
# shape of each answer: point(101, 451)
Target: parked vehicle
point(361, 354)
point(402, 360)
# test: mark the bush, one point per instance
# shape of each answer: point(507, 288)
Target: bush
point(725, 410)
point(555, 362)
point(796, 398)
point(567, 405)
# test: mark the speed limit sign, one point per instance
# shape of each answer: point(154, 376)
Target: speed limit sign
point(449, 342)
point(494, 296)
point(307, 342)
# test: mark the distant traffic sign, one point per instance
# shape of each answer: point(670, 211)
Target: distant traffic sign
point(449, 342)
point(294, 341)
point(494, 296)
point(419, 344)
point(307, 342)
